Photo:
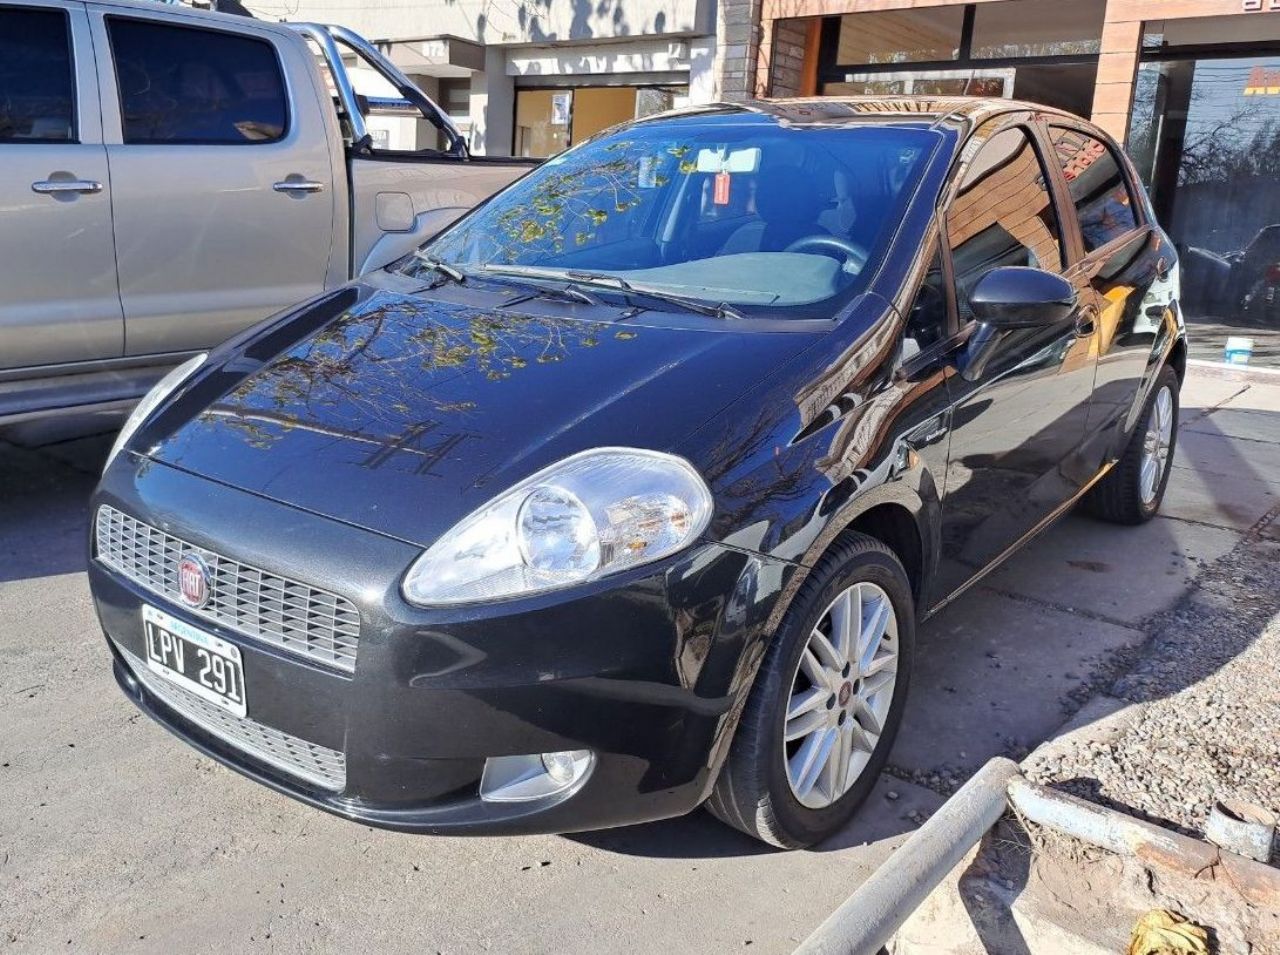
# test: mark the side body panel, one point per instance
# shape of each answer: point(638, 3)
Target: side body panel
point(57, 260)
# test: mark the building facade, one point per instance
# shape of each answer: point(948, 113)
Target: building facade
point(1191, 87)
point(531, 77)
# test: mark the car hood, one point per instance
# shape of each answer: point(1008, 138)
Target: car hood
point(404, 412)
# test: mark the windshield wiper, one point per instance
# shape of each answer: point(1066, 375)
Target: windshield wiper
point(570, 289)
point(608, 280)
point(437, 265)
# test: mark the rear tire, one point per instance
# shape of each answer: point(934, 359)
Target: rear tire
point(836, 671)
point(1131, 492)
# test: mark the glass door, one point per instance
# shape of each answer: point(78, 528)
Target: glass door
point(1205, 134)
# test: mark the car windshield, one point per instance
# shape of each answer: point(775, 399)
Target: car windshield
point(723, 209)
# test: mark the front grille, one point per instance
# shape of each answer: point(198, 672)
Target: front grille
point(294, 616)
point(318, 765)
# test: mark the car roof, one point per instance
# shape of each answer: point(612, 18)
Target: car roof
point(963, 112)
point(184, 12)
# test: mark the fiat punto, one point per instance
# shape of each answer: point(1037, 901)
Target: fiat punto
point(627, 492)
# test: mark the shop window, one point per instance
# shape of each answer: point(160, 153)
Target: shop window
point(1002, 215)
point(36, 100)
point(1098, 189)
point(900, 36)
point(229, 87)
point(1025, 28)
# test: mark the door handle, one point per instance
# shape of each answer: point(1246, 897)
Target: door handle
point(297, 186)
point(1162, 268)
point(47, 187)
point(1086, 323)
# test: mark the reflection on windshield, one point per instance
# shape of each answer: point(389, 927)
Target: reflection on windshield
point(723, 209)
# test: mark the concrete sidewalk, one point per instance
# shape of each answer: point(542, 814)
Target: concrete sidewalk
point(117, 837)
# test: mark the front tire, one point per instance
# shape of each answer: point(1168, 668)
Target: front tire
point(1132, 491)
point(826, 704)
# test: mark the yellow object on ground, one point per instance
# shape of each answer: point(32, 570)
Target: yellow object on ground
point(1161, 932)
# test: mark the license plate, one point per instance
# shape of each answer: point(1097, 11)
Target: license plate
point(197, 661)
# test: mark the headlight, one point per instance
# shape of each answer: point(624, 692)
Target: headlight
point(162, 389)
point(592, 514)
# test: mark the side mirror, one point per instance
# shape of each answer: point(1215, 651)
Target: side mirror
point(1017, 297)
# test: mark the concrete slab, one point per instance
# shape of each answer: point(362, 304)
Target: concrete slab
point(1227, 501)
point(1259, 397)
point(1203, 391)
point(1220, 455)
point(1249, 424)
point(993, 676)
point(1123, 574)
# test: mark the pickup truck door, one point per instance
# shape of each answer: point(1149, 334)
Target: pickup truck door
point(59, 302)
point(222, 170)
point(409, 168)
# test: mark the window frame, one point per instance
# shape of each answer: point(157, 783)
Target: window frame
point(1136, 196)
point(830, 70)
point(285, 88)
point(1068, 229)
point(75, 138)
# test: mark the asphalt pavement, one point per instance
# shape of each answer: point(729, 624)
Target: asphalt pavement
point(116, 837)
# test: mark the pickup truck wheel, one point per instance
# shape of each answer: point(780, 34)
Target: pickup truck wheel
point(1131, 493)
point(827, 701)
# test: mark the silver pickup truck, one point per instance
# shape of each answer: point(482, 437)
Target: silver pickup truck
point(170, 176)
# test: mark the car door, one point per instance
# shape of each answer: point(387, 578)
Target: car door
point(223, 185)
point(1018, 424)
point(59, 302)
point(1127, 261)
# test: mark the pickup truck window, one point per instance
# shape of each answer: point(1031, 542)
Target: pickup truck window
point(37, 99)
point(182, 85)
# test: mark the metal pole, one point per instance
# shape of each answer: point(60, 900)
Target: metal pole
point(868, 918)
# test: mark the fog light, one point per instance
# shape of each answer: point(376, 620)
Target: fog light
point(536, 776)
point(560, 766)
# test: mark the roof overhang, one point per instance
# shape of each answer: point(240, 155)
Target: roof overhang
point(441, 56)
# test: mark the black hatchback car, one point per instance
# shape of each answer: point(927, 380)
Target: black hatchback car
point(626, 493)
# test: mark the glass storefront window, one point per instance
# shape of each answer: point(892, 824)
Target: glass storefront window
point(900, 36)
point(550, 121)
point(1205, 135)
point(1023, 28)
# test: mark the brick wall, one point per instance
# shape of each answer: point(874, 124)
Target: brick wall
point(738, 30)
point(785, 55)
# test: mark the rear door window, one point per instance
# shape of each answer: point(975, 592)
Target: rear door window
point(1003, 214)
point(37, 99)
point(1099, 190)
point(180, 85)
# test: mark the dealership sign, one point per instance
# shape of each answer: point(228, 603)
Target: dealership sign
point(1257, 6)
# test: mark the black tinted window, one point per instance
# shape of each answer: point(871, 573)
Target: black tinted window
point(179, 85)
point(36, 91)
point(1002, 215)
point(1098, 187)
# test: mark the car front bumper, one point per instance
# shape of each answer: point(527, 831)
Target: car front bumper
point(645, 670)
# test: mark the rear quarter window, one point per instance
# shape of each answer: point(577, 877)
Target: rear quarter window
point(180, 85)
point(1099, 190)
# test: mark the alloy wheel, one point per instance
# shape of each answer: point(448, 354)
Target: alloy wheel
point(840, 696)
point(1155, 445)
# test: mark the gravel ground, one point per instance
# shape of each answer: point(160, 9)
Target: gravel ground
point(1208, 722)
